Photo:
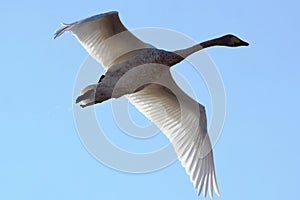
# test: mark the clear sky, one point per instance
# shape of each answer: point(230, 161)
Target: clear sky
point(256, 156)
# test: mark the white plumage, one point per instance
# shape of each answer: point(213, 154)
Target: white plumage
point(179, 117)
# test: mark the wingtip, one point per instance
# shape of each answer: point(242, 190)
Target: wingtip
point(66, 27)
point(217, 192)
point(215, 185)
point(64, 24)
point(60, 31)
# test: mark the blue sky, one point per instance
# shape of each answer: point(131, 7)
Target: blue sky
point(256, 157)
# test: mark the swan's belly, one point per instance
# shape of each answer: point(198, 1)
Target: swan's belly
point(132, 80)
point(144, 67)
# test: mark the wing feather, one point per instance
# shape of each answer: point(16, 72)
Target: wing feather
point(104, 37)
point(175, 114)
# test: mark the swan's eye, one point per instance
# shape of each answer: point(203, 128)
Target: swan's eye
point(236, 40)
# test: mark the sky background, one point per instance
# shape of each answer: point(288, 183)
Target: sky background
point(257, 155)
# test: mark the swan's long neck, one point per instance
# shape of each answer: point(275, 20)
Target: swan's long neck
point(188, 51)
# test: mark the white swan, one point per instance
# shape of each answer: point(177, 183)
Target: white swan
point(141, 72)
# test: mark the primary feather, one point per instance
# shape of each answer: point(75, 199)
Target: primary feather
point(100, 36)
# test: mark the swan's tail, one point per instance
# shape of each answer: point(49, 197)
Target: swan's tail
point(87, 96)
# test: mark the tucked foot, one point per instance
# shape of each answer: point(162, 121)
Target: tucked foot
point(101, 78)
point(87, 96)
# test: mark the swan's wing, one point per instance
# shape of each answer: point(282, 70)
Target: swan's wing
point(183, 121)
point(104, 37)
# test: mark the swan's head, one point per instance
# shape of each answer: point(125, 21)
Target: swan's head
point(233, 41)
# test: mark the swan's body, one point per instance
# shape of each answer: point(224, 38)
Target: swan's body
point(141, 72)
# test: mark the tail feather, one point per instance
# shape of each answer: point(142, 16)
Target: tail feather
point(90, 87)
point(87, 96)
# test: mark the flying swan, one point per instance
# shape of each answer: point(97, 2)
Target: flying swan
point(141, 72)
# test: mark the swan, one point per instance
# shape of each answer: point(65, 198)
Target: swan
point(141, 72)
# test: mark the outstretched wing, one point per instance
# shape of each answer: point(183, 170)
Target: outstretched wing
point(183, 121)
point(104, 37)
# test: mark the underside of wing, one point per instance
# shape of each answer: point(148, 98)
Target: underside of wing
point(183, 121)
point(104, 37)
